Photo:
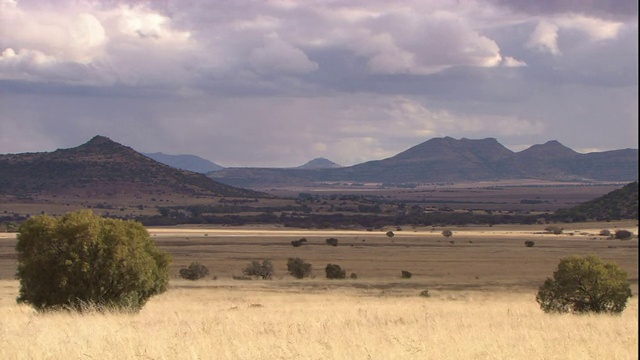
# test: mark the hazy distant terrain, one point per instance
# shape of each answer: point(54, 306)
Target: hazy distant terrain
point(450, 160)
point(185, 162)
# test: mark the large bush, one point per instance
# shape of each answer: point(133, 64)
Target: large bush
point(585, 284)
point(262, 270)
point(194, 271)
point(623, 235)
point(82, 260)
point(298, 268)
point(334, 271)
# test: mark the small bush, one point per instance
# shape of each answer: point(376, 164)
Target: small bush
point(298, 268)
point(605, 232)
point(390, 234)
point(296, 243)
point(194, 271)
point(529, 243)
point(425, 293)
point(447, 233)
point(406, 274)
point(553, 229)
point(353, 276)
point(585, 284)
point(262, 270)
point(332, 241)
point(623, 235)
point(333, 271)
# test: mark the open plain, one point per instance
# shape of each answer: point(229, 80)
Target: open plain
point(481, 281)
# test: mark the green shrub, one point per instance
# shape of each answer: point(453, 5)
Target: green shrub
point(82, 260)
point(335, 272)
point(194, 271)
point(529, 243)
point(390, 234)
point(585, 284)
point(623, 235)
point(425, 293)
point(605, 232)
point(353, 276)
point(298, 268)
point(406, 274)
point(262, 270)
point(332, 241)
point(447, 233)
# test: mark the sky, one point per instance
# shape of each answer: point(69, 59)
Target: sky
point(277, 83)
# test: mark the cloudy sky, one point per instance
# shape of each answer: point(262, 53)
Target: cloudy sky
point(277, 83)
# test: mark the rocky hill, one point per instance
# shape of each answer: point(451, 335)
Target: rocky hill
point(103, 168)
point(450, 160)
point(185, 162)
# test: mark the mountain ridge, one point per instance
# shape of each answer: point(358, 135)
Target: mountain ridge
point(450, 160)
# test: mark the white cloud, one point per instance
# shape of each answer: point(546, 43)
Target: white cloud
point(545, 37)
point(509, 61)
point(596, 29)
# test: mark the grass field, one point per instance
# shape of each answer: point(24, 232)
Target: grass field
point(482, 283)
point(208, 320)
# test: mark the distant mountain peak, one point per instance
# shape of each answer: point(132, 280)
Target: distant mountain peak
point(551, 147)
point(320, 163)
point(99, 140)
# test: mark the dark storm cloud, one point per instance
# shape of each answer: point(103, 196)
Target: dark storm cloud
point(280, 82)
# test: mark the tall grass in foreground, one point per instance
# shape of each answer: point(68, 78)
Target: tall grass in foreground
point(248, 323)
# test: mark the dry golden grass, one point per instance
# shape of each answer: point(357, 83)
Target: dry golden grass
point(224, 320)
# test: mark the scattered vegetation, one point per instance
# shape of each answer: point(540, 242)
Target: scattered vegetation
point(82, 260)
point(447, 233)
point(425, 293)
point(298, 268)
point(335, 272)
point(262, 270)
point(194, 271)
point(529, 243)
point(585, 284)
point(406, 274)
point(605, 232)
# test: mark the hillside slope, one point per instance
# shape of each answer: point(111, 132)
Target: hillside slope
point(104, 168)
point(616, 205)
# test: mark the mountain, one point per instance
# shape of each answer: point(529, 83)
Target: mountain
point(616, 205)
point(185, 162)
point(103, 168)
point(438, 159)
point(450, 160)
point(319, 163)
